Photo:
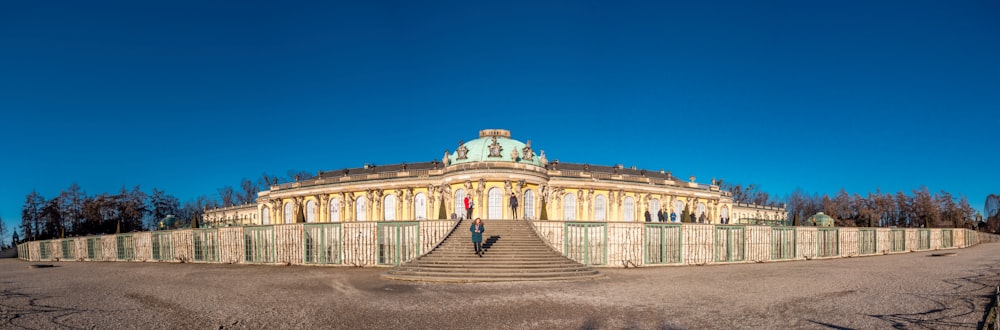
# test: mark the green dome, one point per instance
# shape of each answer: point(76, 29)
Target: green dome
point(479, 150)
point(820, 220)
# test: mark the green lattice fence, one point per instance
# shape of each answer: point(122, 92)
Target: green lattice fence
point(95, 248)
point(206, 244)
point(322, 243)
point(125, 247)
point(68, 249)
point(662, 243)
point(162, 246)
point(586, 242)
point(783, 243)
point(897, 240)
point(947, 239)
point(398, 242)
point(867, 241)
point(924, 239)
point(730, 243)
point(22, 251)
point(827, 242)
point(45, 250)
point(971, 238)
point(258, 243)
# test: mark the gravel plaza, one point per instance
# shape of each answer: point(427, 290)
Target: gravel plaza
point(914, 290)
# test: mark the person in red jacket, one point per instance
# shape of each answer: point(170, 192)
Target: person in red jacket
point(468, 207)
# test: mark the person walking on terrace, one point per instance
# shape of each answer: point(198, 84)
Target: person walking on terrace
point(477, 230)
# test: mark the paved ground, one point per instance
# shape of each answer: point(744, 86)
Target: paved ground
point(903, 291)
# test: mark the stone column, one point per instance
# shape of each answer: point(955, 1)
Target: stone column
point(323, 208)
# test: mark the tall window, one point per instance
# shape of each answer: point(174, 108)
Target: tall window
point(679, 210)
point(460, 204)
point(310, 211)
point(335, 209)
point(701, 210)
point(389, 207)
point(265, 216)
point(529, 205)
point(725, 212)
point(654, 209)
point(629, 209)
point(495, 203)
point(600, 208)
point(569, 206)
point(289, 217)
point(420, 206)
point(361, 209)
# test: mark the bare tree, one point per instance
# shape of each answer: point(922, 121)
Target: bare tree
point(227, 196)
point(248, 193)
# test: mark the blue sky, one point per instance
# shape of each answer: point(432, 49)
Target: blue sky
point(190, 96)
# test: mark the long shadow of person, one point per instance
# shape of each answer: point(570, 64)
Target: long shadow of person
point(489, 242)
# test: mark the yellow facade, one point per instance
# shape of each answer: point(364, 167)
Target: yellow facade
point(418, 191)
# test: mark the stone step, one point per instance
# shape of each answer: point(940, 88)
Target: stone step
point(513, 252)
point(490, 266)
point(478, 279)
point(507, 274)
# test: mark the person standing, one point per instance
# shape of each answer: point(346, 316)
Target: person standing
point(477, 230)
point(513, 206)
point(468, 207)
point(649, 217)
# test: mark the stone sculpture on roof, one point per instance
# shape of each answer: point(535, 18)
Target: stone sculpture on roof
point(495, 148)
point(526, 151)
point(461, 152)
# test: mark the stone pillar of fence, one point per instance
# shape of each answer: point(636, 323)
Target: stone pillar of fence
point(231, 245)
point(849, 243)
point(288, 243)
point(359, 244)
point(698, 244)
point(758, 243)
point(624, 242)
point(182, 244)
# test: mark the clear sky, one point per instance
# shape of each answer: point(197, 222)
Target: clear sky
point(190, 96)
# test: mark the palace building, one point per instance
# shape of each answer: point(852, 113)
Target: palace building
point(489, 170)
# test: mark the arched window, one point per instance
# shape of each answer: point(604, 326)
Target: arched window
point(600, 208)
point(265, 216)
point(389, 207)
point(654, 209)
point(569, 206)
point(495, 203)
point(701, 211)
point(460, 204)
point(420, 206)
point(361, 209)
point(629, 209)
point(310, 211)
point(529, 205)
point(289, 217)
point(678, 210)
point(335, 209)
point(725, 214)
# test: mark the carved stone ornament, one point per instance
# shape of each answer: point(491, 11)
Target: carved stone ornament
point(444, 159)
point(462, 151)
point(495, 149)
point(526, 153)
point(541, 158)
point(513, 155)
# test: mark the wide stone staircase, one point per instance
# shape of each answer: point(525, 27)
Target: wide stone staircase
point(513, 252)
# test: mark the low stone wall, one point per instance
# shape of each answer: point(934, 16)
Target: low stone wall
point(604, 244)
point(359, 244)
point(631, 244)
